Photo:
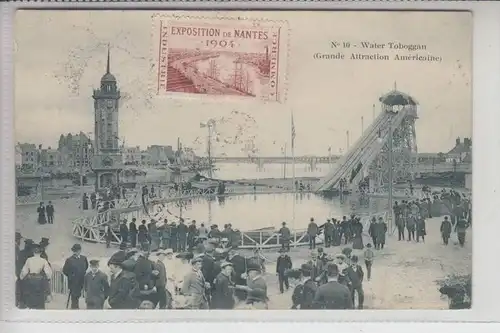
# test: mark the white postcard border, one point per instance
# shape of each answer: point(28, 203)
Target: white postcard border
point(486, 183)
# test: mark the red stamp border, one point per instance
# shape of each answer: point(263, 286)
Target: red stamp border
point(279, 92)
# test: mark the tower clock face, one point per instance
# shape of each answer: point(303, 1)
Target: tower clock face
point(109, 103)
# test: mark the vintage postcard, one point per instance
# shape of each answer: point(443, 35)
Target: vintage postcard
point(281, 160)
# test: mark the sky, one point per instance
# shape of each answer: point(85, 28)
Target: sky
point(61, 56)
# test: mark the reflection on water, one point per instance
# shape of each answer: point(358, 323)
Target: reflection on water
point(249, 212)
point(228, 171)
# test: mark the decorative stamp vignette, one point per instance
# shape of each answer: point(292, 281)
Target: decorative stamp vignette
point(222, 57)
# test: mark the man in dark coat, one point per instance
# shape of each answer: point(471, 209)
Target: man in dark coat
point(75, 268)
point(332, 295)
point(328, 231)
point(285, 236)
point(372, 231)
point(124, 289)
point(96, 286)
point(143, 270)
point(355, 276)
point(133, 233)
point(461, 229)
point(345, 229)
point(143, 236)
point(209, 267)
point(93, 200)
point(380, 231)
point(283, 264)
point(421, 230)
point(445, 230)
point(222, 296)
point(174, 244)
point(312, 232)
point(192, 231)
point(303, 294)
point(182, 231)
point(49, 209)
point(239, 268)
point(124, 232)
point(161, 279)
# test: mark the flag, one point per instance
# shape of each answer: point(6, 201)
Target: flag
point(293, 133)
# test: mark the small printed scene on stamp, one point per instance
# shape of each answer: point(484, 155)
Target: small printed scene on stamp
point(243, 160)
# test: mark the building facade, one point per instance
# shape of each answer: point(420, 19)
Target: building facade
point(30, 158)
point(75, 150)
point(132, 155)
point(160, 154)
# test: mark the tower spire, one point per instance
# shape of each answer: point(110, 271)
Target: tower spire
point(395, 84)
point(107, 64)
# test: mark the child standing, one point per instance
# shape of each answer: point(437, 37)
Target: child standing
point(368, 255)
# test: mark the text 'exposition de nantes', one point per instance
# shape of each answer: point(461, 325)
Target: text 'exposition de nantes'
point(378, 51)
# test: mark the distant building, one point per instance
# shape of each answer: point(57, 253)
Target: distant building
point(75, 149)
point(29, 156)
point(145, 158)
point(462, 152)
point(19, 156)
point(50, 158)
point(132, 155)
point(160, 154)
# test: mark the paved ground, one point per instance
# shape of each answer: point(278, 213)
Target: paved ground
point(404, 273)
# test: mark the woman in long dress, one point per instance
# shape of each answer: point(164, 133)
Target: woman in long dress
point(34, 275)
point(42, 219)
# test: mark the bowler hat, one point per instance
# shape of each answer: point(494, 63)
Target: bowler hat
point(118, 258)
point(76, 247)
point(44, 241)
point(282, 250)
point(18, 236)
point(253, 267)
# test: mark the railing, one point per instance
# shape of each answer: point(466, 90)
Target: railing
point(268, 239)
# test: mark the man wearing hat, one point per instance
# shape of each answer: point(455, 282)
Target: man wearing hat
point(285, 236)
point(194, 286)
point(303, 294)
point(283, 264)
point(182, 231)
point(160, 272)
point(445, 230)
point(256, 288)
point(332, 295)
point(96, 286)
point(75, 268)
point(328, 231)
point(312, 232)
point(124, 289)
point(50, 212)
point(222, 296)
point(355, 276)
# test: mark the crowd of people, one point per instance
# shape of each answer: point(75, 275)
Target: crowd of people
point(172, 265)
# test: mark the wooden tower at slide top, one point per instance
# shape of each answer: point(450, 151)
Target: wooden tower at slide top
point(393, 130)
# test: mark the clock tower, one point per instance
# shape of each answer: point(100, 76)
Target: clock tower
point(107, 161)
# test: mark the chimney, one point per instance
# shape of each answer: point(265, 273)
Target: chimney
point(458, 141)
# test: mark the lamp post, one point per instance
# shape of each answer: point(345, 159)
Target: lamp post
point(210, 124)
